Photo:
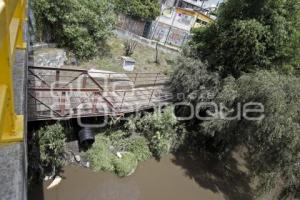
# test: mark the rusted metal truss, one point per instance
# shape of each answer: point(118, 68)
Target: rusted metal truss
point(71, 93)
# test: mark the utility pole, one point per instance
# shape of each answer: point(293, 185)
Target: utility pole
point(173, 20)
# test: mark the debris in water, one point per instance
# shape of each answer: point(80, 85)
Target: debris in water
point(55, 182)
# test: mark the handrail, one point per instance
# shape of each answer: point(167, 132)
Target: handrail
point(85, 70)
point(12, 19)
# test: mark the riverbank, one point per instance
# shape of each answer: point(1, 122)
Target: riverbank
point(180, 176)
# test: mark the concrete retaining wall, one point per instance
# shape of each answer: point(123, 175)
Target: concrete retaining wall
point(123, 34)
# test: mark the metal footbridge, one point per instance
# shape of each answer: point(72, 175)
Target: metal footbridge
point(61, 93)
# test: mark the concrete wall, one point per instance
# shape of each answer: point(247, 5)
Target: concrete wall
point(168, 34)
point(135, 26)
point(123, 34)
point(178, 18)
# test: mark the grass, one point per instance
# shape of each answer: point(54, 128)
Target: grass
point(144, 56)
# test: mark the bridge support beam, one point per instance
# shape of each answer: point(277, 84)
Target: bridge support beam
point(12, 18)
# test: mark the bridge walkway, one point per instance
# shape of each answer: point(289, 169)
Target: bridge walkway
point(60, 93)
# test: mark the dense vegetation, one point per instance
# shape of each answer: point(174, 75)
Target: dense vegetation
point(46, 152)
point(251, 35)
point(140, 9)
point(83, 26)
point(152, 135)
point(80, 25)
point(250, 54)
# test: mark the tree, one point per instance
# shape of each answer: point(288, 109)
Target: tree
point(250, 35)
point(161, 129)
point(141, 9)
point(273, 141)
point(79, 25)
point(192, 81)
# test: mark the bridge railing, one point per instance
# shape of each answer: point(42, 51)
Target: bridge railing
point(66, 104)
point(59, 93)
point(12, 19)
point(65, 78)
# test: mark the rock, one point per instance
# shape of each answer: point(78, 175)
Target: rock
point(77, 158)
point(55, 182)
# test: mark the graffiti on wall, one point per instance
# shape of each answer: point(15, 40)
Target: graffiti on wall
point(169, 35)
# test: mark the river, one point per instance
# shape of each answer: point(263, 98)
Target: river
point(174, 177)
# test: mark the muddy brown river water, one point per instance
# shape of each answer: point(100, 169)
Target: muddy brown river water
point(171, 178)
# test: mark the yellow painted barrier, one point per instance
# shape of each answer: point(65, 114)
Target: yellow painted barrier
point(12, 18)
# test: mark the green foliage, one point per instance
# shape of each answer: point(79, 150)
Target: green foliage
point(192, 80)
point(141, 9)
point(100, 156)
point(274, 141)
point(51, 143)
point(251, 35)
point(160, 143)
point(125, 165)
point(80, 25)
point(139, 147)
point(248, 38)
point(118, 139)
point(160, 129)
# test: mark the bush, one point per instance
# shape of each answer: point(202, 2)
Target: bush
point(160, 144)
point(125, 165)
point(51, 142)
point(79, 25)
point(100, 156)
point(139, 147)
point(159, 128)
point(129, 47)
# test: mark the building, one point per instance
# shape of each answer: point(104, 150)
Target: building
point(192, 4)
point(174, 25)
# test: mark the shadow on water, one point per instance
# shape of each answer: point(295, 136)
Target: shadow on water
point(36, 191)
point(212, 174)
